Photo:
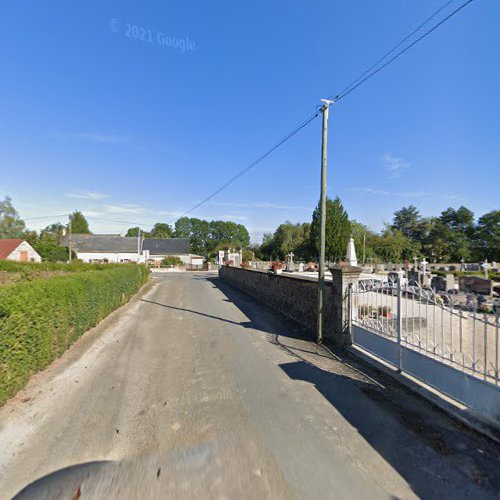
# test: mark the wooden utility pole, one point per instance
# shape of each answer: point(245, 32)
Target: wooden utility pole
point(322, 224)
point(69, 238)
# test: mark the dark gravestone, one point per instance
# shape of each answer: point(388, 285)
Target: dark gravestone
point(475, 284)
point(453, 268)
point(438, 283)
point(474, 267)
point(413, 278)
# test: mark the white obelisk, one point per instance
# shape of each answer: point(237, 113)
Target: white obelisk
point(350, 258)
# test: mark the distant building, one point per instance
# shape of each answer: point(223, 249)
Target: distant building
point(120, 249)
point(19, 250)
point(105, 248)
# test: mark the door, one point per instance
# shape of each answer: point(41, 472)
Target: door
point(23, 255)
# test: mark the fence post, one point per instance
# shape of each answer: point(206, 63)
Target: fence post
point(399, 324)
point(339, 301)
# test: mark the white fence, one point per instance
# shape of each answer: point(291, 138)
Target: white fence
point(435, 337)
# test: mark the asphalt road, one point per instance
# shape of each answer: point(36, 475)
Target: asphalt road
point(194, 390)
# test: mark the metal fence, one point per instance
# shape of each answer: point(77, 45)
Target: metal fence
point(445, 327)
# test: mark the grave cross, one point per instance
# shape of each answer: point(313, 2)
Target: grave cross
point(486, 266)
point(424, 263)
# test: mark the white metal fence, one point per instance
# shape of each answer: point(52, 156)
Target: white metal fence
point(445, 327)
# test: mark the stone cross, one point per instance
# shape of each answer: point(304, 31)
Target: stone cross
point(486, 266)
point(415, 260)
point(424, 263)
point(290, 266)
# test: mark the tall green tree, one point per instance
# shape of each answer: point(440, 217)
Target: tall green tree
point(79, 224)
point(11, 224)
point(487, 236)
point(161, 230)
point(338, 230)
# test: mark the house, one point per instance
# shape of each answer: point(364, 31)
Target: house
point(156, 249)
point(114, 248)
point(105, 248)
point(18, 249)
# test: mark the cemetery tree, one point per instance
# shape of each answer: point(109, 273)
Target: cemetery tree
point(287, 238)
point(460, 225)
point(11, 224)
point(487, 236)
point(338, 230)
point(393, 246)
point(228, 233)
point(79, 224)
point(161, 230)
point(409, 222)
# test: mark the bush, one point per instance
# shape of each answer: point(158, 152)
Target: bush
point(40, 319)
point(171, 261)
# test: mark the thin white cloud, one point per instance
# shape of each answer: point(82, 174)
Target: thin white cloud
point(125, 209)
point(257, 204)
point(94, 137)
point(395, 165)
point(384, 192)
point(87, 195)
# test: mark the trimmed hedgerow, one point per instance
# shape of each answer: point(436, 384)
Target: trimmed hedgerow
point(40, 319)
point(76, 266)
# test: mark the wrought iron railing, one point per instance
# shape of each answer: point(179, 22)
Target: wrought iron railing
point(447, 327)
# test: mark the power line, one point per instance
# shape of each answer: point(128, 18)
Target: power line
point(253, 164)
point(401, 52)
point(119, 221)
point(366, 75)
point(387, 54)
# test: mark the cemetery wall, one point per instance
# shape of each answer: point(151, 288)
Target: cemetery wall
point(293, 296)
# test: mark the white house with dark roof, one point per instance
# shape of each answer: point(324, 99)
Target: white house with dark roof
point(120, 249)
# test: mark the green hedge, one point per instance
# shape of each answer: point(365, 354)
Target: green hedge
point(40, 319)
point(15, 267)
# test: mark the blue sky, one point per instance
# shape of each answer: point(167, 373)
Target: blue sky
point(138, 131)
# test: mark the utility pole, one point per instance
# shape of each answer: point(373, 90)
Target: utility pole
point(138, 243)
point(69, 238)
point(322, 225)
point(364, 247)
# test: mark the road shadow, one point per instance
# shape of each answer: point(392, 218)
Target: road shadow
point(437, 456)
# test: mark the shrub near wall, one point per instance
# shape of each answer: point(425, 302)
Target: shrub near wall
point(40, 319)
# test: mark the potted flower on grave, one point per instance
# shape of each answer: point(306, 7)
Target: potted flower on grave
point(384, 311)
point(277, 267)
point(229, 263)
point(245, 264)
point(365, 310)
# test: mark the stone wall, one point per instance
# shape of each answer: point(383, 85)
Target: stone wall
point(294, 296)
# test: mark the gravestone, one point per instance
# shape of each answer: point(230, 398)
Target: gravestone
point(475, 284)
point(474, 267)
point(413, 278)
point(450, 282)
point(438, 283)
point(301, 267)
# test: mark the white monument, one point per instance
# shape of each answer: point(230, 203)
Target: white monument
point(350, 258)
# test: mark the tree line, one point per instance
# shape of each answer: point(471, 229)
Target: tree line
point(450, 237)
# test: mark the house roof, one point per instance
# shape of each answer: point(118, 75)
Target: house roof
point(103, 243)
point(166, 246)
point(8, 245)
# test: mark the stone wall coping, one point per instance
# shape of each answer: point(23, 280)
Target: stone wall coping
point(295, 276)
point(345, 270)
